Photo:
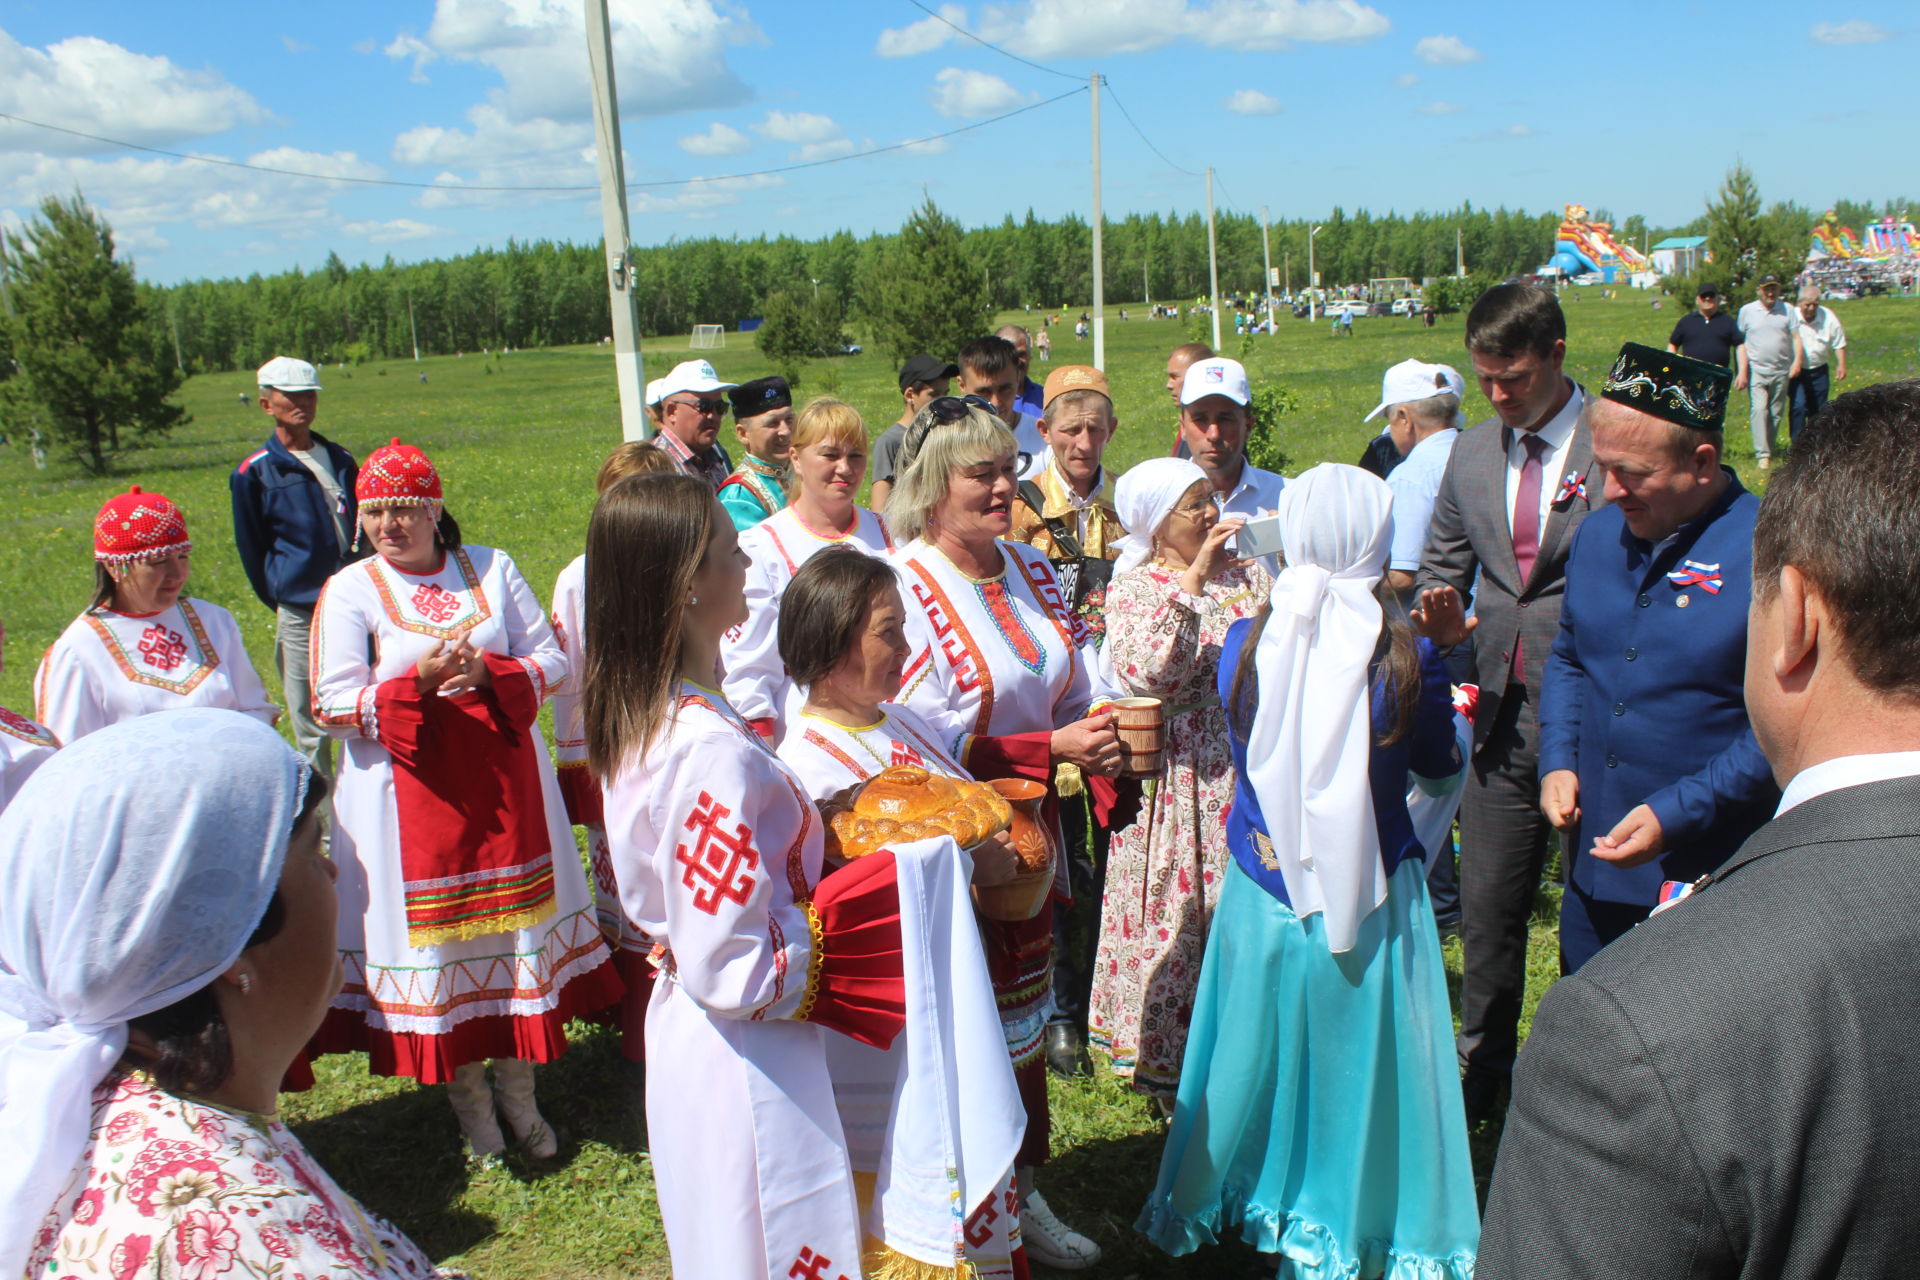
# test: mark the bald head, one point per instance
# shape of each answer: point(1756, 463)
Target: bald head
point(1183, 355)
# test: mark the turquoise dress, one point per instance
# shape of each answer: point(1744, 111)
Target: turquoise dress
point(1319, 1111)
point(754, 492)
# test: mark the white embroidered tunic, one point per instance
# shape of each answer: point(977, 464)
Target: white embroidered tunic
point(24, 747)
point(756, 680)
point(107, 667)
point(373, 623)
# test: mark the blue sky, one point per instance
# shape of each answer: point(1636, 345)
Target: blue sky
point(1298, 104)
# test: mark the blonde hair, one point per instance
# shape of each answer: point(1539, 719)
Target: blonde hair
point(825, 418)
point(931, 453)
point(634, 458)
point(648, 538)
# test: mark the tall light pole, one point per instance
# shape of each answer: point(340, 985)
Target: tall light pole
point(413, 329)
point(1313, 277)
point(1459, 254)
point(1094, 81)
point(1266, 254)
point(1213, 263)
point(628, 368)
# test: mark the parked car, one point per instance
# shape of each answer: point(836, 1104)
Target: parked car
point(1406, 306)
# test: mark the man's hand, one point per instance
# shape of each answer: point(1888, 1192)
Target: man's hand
point(1638, 839)
point(1560, 798)
point(1740, 380)
point(1441, 618)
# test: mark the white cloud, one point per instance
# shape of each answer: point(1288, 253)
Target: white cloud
point(1854, 31)
point(925, 146)
point(797, 127)
point(1275, 24)
point(1252, 102)
point(1093, 28)
point(294, 46)
point(923, 36)
point(669, 55)
point(969, 95)
point(825, 150)
point(1405, 80)
point(718, 140)
point(700, 196)
point(1440, 109)
point(94, 85)
point(408, 45)
point(1503, 135)
point(392, 230)
point(496, 142)
point(1445, 51)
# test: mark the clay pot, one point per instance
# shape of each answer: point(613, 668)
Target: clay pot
point(1022, 897)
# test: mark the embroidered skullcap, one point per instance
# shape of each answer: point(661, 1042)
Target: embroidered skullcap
point(121, 901)
point(1674, 388)
point(138, 526)
point(398, 475)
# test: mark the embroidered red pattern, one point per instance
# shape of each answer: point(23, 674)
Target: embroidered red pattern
point(812, 1266)
point(796, 862)
point(718, 865)
point(904, 754)
point(162, 647)
point(813, 737)
point(26, 730)
point(955, 644)
point(478, 610)
point(434, 602)
point(1005, 620)
point(208, 662)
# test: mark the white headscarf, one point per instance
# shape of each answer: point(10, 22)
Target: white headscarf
point(1142, 499)
point(1312, 735)
point(136, 864)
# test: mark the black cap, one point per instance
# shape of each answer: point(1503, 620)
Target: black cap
point(926, 369)
point(1708, 290)
point(762, 395)
point(1677, 389)
point(1769, 278)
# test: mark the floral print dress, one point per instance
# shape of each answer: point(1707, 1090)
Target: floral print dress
point(1163, 874)
point(174, 1188)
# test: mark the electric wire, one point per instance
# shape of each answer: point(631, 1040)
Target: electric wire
point(942, 18)
point(1128, 115)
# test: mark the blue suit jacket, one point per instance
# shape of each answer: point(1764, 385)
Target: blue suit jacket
point(1643, 696)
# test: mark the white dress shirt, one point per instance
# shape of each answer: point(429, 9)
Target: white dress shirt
point(1258, 493)
point(1558, 433)
point(1847, 771)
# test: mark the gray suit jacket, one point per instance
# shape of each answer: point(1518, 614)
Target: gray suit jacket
point(1733, 1089)
point(1471, 530)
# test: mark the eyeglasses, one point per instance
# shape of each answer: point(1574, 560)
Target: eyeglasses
point(715, 405)
point(1196, 511)
point(949, 409)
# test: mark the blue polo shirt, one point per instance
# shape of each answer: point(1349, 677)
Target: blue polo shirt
point(1644, 694)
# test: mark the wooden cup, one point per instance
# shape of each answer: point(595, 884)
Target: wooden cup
point(1142, 735)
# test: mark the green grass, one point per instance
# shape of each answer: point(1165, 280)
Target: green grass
point(518, 440)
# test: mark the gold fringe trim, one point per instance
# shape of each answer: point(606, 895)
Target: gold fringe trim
point(433, 935)
point(815, 954)
point(878, 1262)
point(1067, 780)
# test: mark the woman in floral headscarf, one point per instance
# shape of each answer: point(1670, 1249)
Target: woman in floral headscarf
point(465, 922)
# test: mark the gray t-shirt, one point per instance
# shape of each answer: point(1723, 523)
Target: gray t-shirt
point(886, 453)
point(1769, 336)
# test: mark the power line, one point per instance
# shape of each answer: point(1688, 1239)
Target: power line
point(1143, 137)
point(455, 186)
point(942, 18)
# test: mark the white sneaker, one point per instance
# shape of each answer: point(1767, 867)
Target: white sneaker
point(1051, 1242)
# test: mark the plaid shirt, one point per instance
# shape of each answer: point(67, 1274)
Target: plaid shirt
point(710, 464)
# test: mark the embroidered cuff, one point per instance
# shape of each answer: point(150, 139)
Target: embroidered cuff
point(854, 972)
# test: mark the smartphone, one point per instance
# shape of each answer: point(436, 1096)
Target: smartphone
point(1259, 536)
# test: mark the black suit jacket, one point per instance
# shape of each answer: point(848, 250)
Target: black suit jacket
point(1733, 1089)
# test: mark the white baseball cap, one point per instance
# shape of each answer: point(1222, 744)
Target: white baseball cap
point(288, 374)
point(1416, 380)
point(1216, 377)
point(653, 392)
point(691, 375)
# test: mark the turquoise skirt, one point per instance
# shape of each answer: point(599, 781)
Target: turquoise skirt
point(1319, 1108)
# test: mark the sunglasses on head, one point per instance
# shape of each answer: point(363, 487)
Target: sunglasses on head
point(714, 405)
point(949, 409)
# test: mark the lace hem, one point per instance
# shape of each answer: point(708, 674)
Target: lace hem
point(1313, 1251)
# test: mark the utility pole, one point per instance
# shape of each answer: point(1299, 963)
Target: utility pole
point(173, 327)
point(413, 328)
point(627, 363)
point(1146, 294)
point(1266, 254)
point(1313, 277)
point(1459, 254)
point(1099, 260)
point(1286, 271)
point(1213, 262)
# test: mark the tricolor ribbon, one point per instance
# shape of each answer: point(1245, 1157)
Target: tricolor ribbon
point(1570, 488)
point(1692, 573)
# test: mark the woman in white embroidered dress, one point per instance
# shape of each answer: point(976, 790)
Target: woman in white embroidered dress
point(24, 745)
point(160, 968)
point(142, 646)
point(829, 462)
point(1176, 589)
point(465, 925)
point(718, 853)
point(578, 786)
point(1005, 672)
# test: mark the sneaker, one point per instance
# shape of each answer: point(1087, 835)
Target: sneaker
point(1051, 1242)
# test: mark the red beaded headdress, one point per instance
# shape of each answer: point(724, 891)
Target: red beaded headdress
point(138, 526)
point(398, 475)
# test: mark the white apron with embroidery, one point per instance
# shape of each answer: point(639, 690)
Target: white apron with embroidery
point(107, 667)
point(375, 622)
point(756, 680)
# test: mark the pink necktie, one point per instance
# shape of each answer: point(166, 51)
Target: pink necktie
point(1526, 529)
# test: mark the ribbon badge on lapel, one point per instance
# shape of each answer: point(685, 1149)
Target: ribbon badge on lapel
point(1572, 487)
point(1692, 573)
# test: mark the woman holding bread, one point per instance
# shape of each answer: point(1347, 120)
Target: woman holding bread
point(718, 853)
point(1004, 672)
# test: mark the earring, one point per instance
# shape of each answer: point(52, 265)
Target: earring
point(246, 984)
point(693, 599)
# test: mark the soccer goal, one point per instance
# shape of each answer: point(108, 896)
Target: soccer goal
point(708, 335)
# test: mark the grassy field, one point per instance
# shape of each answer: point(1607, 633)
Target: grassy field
point(518, 439)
